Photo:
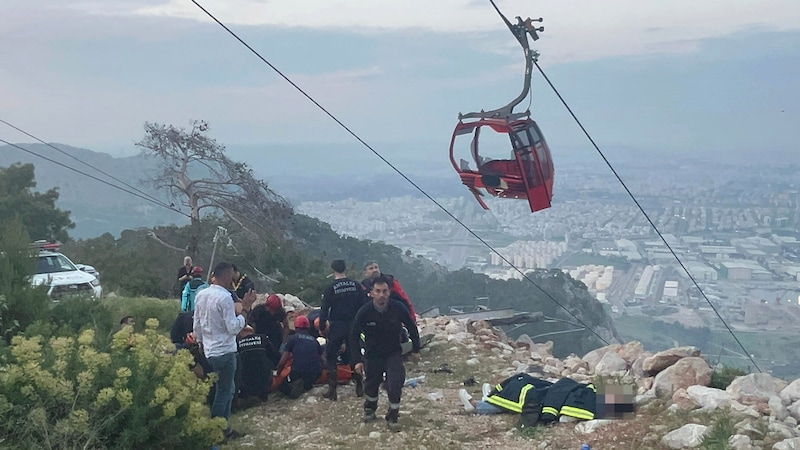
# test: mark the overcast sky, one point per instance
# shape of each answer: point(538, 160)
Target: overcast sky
point(679, 76)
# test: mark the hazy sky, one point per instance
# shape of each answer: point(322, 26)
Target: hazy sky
point(679, 76)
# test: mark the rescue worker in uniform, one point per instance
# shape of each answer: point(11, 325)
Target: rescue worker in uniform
point(340, 303)
point(380, 322)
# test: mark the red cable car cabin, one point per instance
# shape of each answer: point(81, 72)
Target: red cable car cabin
point(528, 173)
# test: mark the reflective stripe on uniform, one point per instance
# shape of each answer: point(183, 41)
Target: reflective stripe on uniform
point(550, 410)
point(578, 413)
point(510, 404)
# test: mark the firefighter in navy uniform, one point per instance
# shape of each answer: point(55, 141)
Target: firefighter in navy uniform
point(567, 397)
point(257, 358)
point(340, 303)
point(380, 323)
point(522, 394)
point(538, 400)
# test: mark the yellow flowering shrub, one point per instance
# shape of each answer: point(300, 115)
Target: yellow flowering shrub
point(67, 392)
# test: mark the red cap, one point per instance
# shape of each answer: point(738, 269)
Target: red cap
point(197, 270)
point(301, 322)
point(274, 303)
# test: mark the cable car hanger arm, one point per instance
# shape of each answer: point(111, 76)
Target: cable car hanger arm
point(520, 30)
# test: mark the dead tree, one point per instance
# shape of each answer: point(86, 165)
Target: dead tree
point(199, 175)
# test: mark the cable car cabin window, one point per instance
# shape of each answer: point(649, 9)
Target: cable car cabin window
point(521, 140)
point(541, 153)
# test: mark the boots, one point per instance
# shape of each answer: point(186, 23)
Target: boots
point(331, 394)
point(369, 410)
point(359, 379)
point(391, 419)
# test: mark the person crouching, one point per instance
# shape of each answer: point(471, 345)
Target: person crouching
point(257, 358)
point(306, 354)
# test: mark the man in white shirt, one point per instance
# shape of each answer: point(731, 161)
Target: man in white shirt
point(217, 321)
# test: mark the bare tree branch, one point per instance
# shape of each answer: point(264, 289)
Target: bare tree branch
point(197, 171)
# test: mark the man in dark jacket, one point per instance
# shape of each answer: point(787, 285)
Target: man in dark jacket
point(340, 303)
point(270, 318)
point(257, 358)
point(380, 323)
point(372, 270)
point(241, 284)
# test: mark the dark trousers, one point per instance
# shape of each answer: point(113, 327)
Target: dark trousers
point(338, 333)
point(308, 381)
point(374, 368)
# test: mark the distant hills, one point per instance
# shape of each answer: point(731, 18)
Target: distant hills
point(96, 207)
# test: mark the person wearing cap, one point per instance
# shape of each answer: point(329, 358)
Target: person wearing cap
point(379, 324)
point(306, 354)
point(257, 358)
point(217, 321)
point(340, 303)
point(191, 288)
point(270, 319)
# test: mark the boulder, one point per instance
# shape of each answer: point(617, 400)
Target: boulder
point(476, 325)
point(573, 363)
point(709, 398)
point(555, 362)
point(683, 401)
point(630, 351)
point(666, 358)
point(589, 426)
point(454, 327)
point(594, 356)
point(748, 426)
point(791, 393)
point(684, 373)
point(755, 387)
point(524, 341)
point(688, 436)
point(744, 409)
point(611, 365)
point(636, 367)
point(461, 337)
point(794, 410)
point(787, 444)
point(777, 408)
point(543, 350)
point(782, 430)
point(644, 384)
point(740, 442)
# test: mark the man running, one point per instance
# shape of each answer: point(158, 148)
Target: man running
point(381, 321)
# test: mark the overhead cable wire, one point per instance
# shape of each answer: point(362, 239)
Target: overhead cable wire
point(163, 205)
point(652, 224)
point(392, 166)
point(154, 199)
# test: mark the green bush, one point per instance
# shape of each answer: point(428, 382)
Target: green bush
point(22, 304)
point(717, 438)
point(722, 378)
point(68, 393)
point(143, 308)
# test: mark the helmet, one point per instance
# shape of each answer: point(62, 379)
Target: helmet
point(301, 322)
point(274, 303)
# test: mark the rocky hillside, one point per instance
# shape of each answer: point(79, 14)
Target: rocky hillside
point(676, 408)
